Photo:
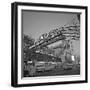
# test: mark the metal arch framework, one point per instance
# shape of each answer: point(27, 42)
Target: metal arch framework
point(72, 32)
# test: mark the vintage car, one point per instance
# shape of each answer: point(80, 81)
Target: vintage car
point(67, 66)
point(40, 68)
point(45, 66)
point(49, 66)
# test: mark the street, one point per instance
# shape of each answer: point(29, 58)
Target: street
point(58, 71)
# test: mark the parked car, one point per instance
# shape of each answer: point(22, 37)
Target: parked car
point(40, 68)
point(45, 66)
point(67, 66)
point(49, 67)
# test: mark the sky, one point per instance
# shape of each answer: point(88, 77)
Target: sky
point(36, 23)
